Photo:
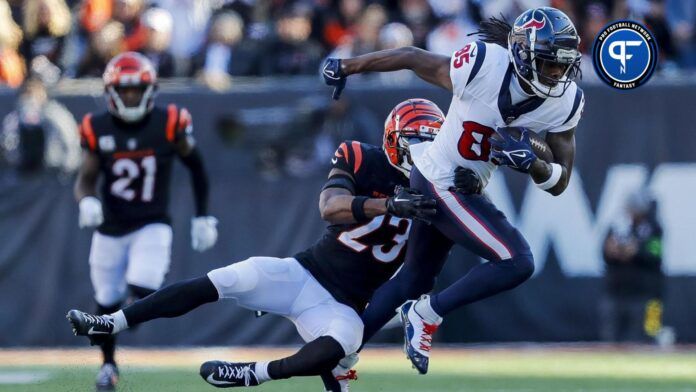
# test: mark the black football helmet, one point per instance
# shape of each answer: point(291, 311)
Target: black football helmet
point(540, 39)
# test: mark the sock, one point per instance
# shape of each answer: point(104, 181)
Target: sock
point(171, 301)
point(261, 370)
point(314, 358)
point(120, 322)
point(425, 310)
point(483, 281)
point(108, 346)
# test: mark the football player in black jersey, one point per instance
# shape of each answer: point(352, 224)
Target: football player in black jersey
point(132, 147)
point(325, 288)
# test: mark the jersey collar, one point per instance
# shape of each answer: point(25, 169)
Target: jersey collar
point(508, 111)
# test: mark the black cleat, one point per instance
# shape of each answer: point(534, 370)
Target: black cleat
point(107, 377)
point(223, 374)
point(96, 328)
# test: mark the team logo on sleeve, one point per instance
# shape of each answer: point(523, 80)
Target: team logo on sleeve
point(624, 54)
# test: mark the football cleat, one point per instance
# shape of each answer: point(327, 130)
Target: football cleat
point(344, 373)
point(107, 377)
point(418, 336)
point(96, 328)
point(223, 374)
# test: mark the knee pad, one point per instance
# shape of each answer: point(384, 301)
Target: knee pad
point(349, 336)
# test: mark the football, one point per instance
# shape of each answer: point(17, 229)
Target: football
point(539, 145)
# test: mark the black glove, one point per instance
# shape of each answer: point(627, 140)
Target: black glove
point(411, 204)
point(333, 76)
point(466, 182)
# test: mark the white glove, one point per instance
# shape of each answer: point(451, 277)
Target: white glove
point(203, 232)
point(91, 214)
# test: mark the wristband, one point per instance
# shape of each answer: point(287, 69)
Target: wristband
point(357, 207)
point(556, 172)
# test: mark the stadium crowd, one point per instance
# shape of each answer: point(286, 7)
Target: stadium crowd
point(212, 40)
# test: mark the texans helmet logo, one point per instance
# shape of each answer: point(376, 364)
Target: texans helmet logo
point(536, 24)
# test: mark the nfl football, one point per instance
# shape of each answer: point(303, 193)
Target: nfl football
point(539, 145)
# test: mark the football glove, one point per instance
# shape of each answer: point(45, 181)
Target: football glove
point(508, 151)
point(91, 214)
point(411, 204)
point(466, 181)
point(203, 232)
point(333, 76)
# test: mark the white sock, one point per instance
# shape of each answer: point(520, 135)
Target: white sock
point(261, 370)
point(423, 308)
point(120, 322)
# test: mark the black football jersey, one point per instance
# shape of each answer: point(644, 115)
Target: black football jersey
point(135, 161)
point(352, 260)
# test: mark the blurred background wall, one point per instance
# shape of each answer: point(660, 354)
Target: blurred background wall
point(267, 144)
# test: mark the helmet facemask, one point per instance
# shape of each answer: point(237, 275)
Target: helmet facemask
point(130, 113)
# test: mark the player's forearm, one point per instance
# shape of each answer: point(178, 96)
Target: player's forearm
point(84, 187)
point(339, 209)
point(540, 171)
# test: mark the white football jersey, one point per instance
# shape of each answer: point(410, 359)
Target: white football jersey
point(481, 74)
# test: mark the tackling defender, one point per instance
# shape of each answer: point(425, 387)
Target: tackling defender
point(323, 289)
point(132, 146)
point(519, 76)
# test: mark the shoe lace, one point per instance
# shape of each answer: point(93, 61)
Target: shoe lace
point(427, 336)
point(230, 372)
point(350, 375)
point(101, 321)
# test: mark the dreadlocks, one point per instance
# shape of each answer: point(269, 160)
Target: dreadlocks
point(494, 31)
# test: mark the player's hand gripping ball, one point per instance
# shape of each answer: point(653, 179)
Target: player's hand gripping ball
point(411, 204)
point(518, 148)
point(203, 232)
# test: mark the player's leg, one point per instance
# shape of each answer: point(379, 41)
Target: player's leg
point(149, 258)
point(286, 288)
point(474, 222)
point(107, 260)
point(477, 224)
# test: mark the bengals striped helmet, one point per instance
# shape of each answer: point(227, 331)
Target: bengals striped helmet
point(412, 121)
point(127, 70)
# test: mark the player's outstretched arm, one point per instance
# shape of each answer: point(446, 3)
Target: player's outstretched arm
point(431, 67)
point(554, 177)
point(339, 205)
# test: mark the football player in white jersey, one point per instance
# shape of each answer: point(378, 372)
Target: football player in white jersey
point(519, 76)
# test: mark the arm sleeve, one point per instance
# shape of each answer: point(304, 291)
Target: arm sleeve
point(88, 140)
point(348, 158)
point(179, 123)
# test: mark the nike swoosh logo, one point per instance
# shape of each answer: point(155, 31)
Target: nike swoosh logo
point(334, 160)
point(519, 154)
point(397, 199)
point(216, 382)
point(93, 332)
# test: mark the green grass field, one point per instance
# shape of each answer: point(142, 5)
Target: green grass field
point(387, 370)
